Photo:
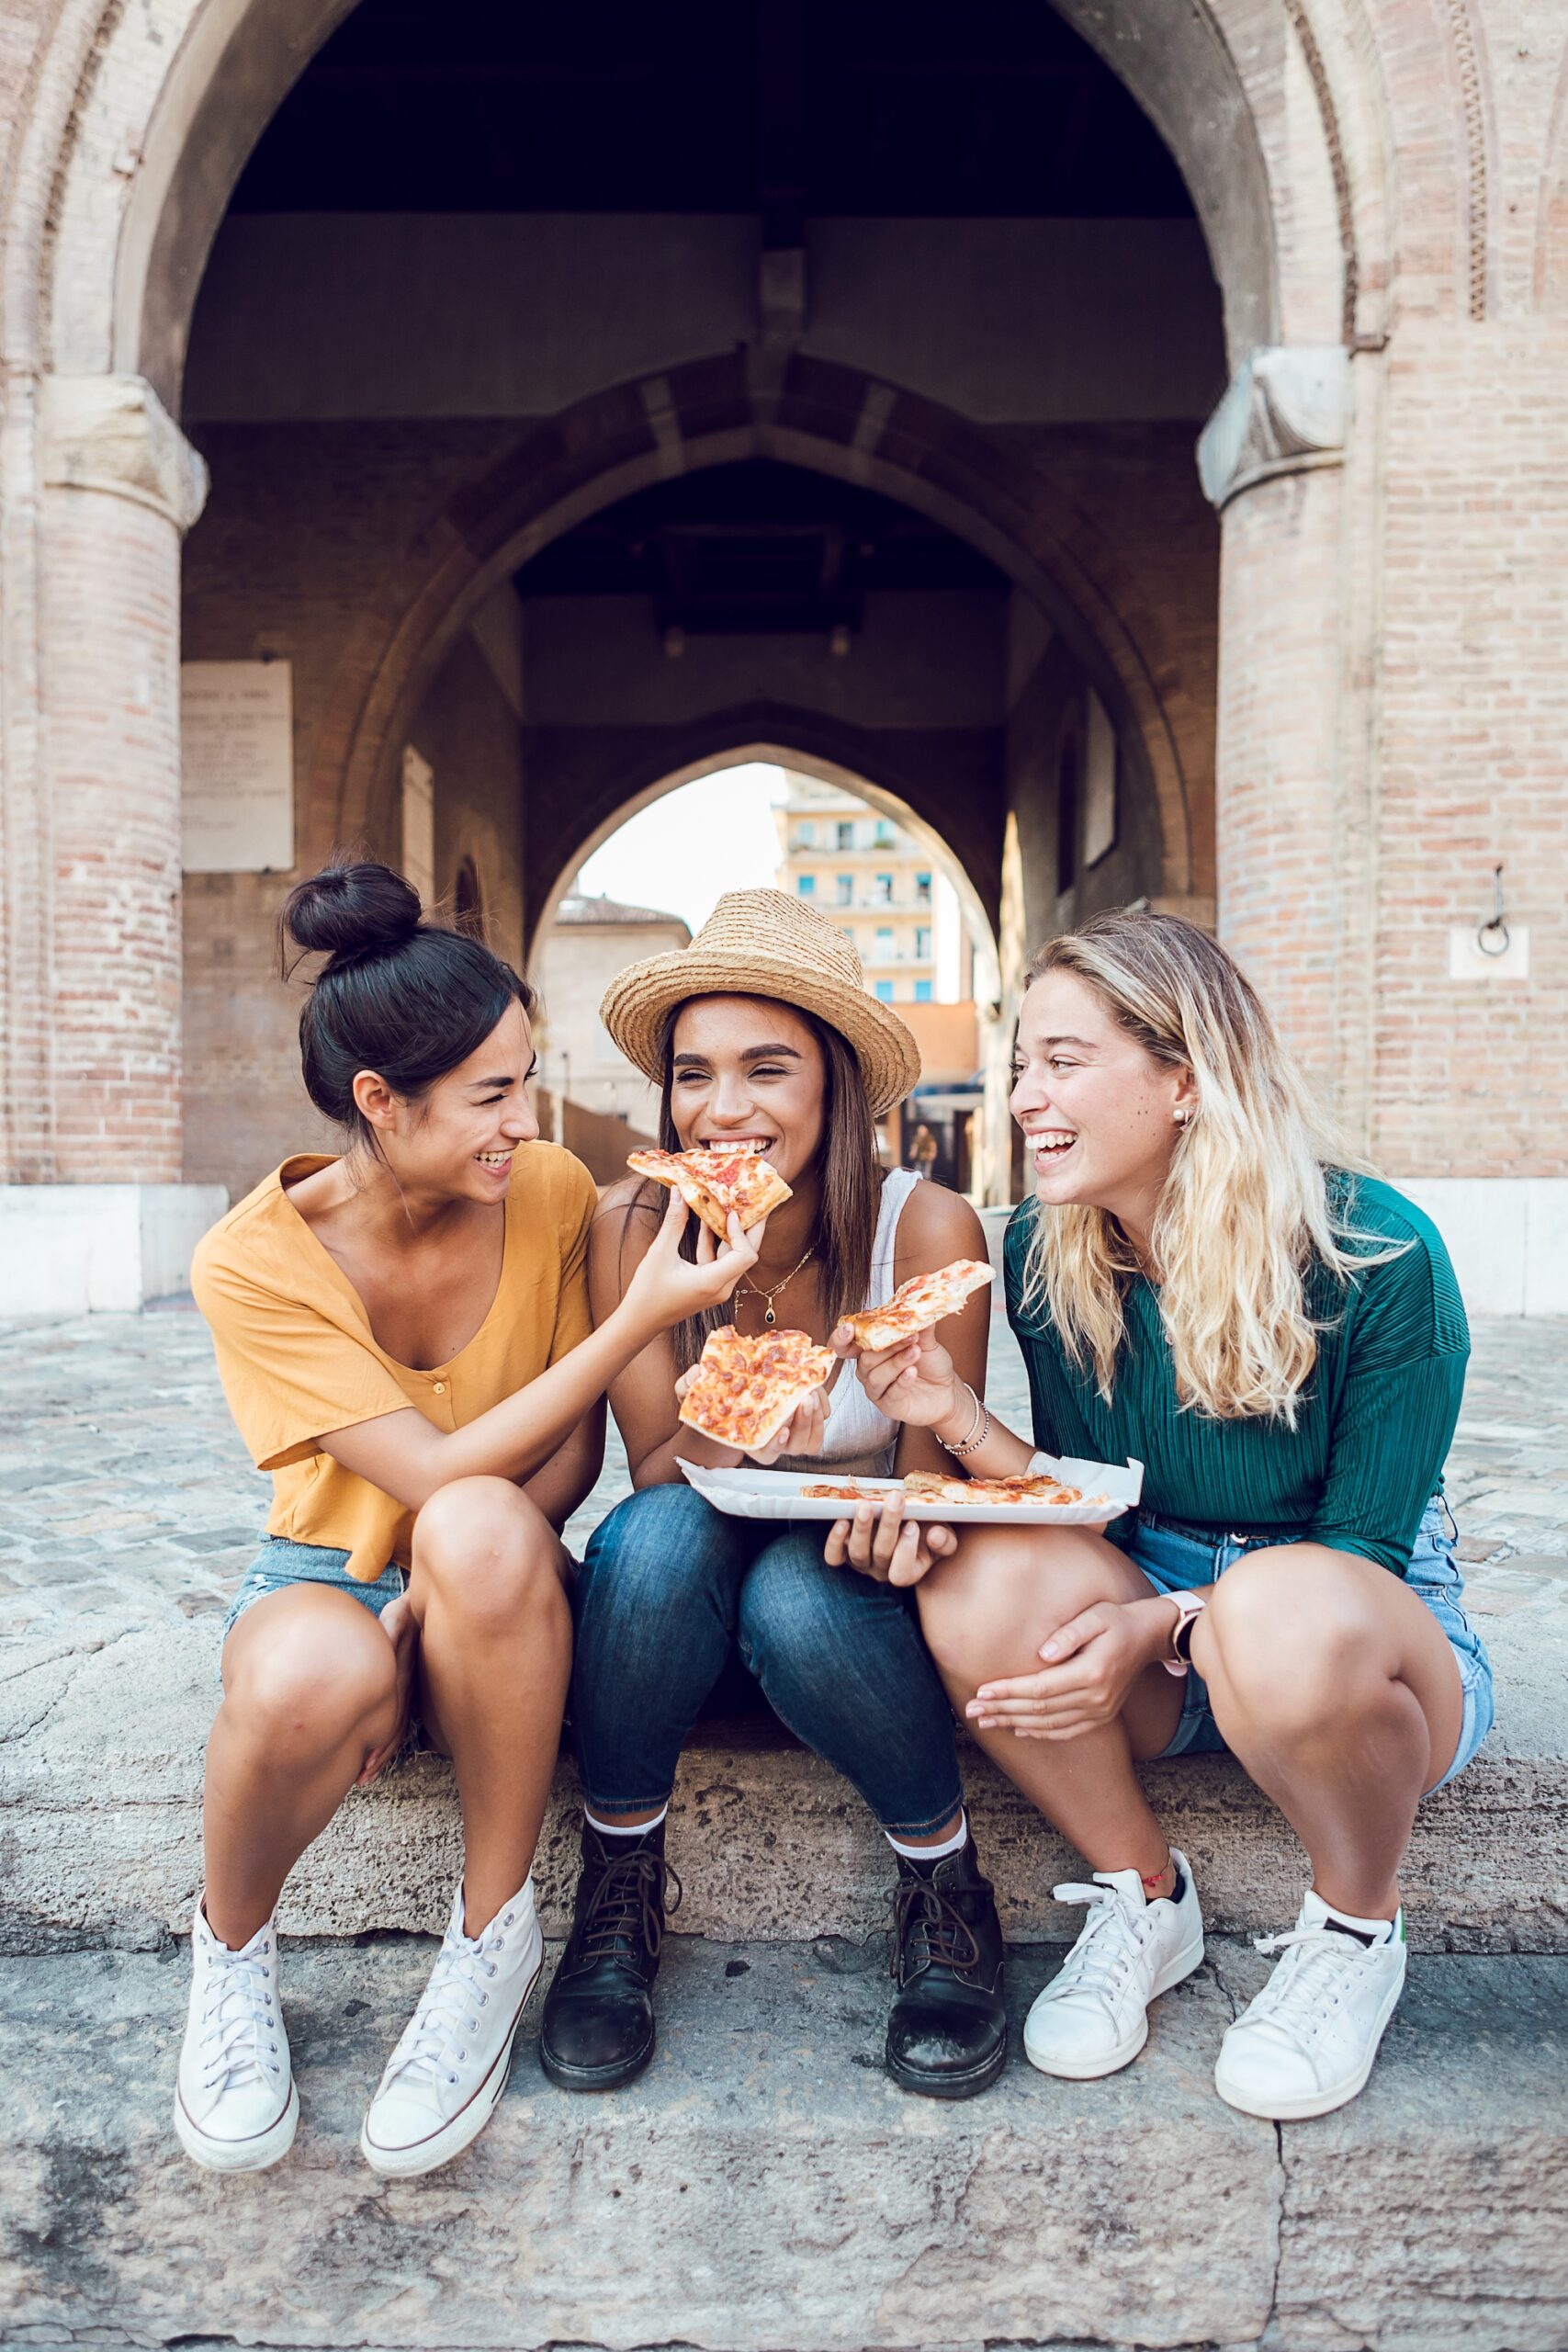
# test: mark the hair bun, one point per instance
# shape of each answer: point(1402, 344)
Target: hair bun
point(348, 911)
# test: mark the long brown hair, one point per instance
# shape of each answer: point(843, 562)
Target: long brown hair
point(847, 1190)
point(1247, 1206)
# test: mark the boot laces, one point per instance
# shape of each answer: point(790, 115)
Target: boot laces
point(239, 2023)
point(627, 1907)
point(436, 2041)
point(1109, 1942)
point(1312, 1980)
point(929, 1931)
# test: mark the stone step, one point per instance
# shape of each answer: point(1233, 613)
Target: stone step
point(765, 2189)
point(102, 1734)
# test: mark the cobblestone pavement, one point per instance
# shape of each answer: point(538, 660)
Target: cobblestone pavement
point(124, 1492)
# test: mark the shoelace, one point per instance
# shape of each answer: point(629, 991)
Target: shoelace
point(237, 2021)
point(1310, 1982)
point(629, 1904)
point(448, 2008)
point(937, 1933)
point(1099, 1961)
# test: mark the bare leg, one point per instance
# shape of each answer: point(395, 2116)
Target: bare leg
point(495, 1655)
point(1338, 1692)
point(985, 1613)
point(309, 1693)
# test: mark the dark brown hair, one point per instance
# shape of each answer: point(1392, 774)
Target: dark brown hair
point(397, 995)
point(847, 1188)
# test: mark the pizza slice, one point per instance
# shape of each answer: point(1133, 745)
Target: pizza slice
point(937, 1487)
point(745, 1389)
point(845, 1494)
point(715, 1182)
point(917, 1305)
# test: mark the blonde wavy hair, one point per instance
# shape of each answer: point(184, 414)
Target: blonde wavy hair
point(1245, 1209)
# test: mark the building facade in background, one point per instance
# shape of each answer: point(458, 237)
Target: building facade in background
point(885, 891)
point(589, 942)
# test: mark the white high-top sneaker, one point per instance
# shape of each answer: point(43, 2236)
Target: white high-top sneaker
point(235, 2104)
point(1306, 2045)
point(1092, 2017)
point(443, 2080)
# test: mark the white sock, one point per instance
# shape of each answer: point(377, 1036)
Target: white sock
point(624, 1828)
point(931, 1853)
point(1374, 1931)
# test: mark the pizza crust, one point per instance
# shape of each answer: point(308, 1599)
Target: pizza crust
point(715, 1182)
point(919, 1304)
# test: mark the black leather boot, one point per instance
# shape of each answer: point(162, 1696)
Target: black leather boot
point(947, 2035)
point(598, 2028)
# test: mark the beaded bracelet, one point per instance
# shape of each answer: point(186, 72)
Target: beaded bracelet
point(979, 1431)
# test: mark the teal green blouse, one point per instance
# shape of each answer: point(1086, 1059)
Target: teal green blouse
point(1374, 1425)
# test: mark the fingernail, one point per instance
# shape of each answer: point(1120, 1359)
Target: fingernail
point(1049, 1650)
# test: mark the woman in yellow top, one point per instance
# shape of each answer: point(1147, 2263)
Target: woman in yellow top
point(405, 1342)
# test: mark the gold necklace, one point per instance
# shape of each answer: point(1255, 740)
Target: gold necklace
point(769, 1291)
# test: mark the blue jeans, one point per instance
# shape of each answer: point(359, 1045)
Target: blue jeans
point(669, 1584)
point(1176, 1560)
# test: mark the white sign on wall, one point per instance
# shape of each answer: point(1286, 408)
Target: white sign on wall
point(1099, 783)
point(419, 825)
point(237, 767)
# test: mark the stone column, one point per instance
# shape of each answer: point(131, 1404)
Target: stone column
point(1291, 858)
point(109, 1223)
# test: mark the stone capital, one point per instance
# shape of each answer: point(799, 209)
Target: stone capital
point(1286, 411)
point(113, 434)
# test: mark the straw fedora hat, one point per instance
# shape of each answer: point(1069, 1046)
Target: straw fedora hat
point(764, 943)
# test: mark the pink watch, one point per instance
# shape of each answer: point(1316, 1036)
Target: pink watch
point(1188, 1608)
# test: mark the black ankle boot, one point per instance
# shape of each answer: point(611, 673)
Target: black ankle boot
point(598, 2028)
point(947, 2035)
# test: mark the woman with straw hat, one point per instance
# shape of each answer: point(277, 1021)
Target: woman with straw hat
point(761, 1030)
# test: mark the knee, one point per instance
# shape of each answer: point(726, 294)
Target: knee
point(1290, 1638)
point(298, 1703)
point(1003, 1592)
point(488, 1555)
point(794, 1612)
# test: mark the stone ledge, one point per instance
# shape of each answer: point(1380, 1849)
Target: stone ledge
point(764, 2188)
point(102, 1735)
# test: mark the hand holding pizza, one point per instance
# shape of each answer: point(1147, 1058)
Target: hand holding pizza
point(914, 1382)
point(666, 1287)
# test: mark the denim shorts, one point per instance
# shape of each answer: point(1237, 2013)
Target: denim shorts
point(281, 1563)
point(1174, 1558)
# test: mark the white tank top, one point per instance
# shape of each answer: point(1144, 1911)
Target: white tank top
point(859, 1441)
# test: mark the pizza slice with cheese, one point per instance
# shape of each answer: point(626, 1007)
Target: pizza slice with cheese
point(715, 1182)
point(917, 1305)
point(937, 1487)
point(746, 1389)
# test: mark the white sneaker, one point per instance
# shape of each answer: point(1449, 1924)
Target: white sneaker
point(1091, 2019)
point(445, 2075)
point(1306, 2045)
point(235, 2104)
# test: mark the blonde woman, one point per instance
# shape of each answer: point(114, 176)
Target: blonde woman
point(1202, 1281)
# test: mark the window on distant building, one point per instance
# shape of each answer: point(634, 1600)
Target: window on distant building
point(805, 885)
point(922, 944)
point(846, 883)
point(922, 992)
point(845, 833)
point(884, 991)
point(923, 889)
point(882, 890)
point(883, 943)
point(882, 836)
point(805, 833)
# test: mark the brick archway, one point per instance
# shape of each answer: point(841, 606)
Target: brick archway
point(831, 419)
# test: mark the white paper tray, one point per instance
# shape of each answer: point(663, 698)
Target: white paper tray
point(751, 1493)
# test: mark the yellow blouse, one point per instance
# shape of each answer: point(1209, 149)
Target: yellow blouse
point(296, 1355)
